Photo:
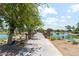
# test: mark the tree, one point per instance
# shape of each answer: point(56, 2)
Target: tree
point(42, 30)
point(68, 27)
point(20, 16)
point(73, 28)
point(49, 30)
point(1, 24)
point(13, 16)
point(57, 30)
point(33, 21)
point(62, 30)
point(77, 28)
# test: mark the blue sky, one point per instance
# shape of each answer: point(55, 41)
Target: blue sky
point(58, 15)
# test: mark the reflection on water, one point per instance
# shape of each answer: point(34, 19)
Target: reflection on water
point(65, 36)
point(3, 36)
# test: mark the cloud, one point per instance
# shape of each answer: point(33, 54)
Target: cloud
point(68, 17)
point(40, 9)
point(69, 11)
point(63, 20)
point(45, 10)
point(62, 16)
point(50, 10)
point(73, 8)
point(53, 22)
point(50, 21)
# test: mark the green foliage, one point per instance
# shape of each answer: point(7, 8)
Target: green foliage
point(19, 14)
point(21, 17)
point(52, 38)
point(49, 30)
point(75, 42)
point(68, 27)
point(77, 28)
point(73, 28)
point(1, 23)
point(75, 36)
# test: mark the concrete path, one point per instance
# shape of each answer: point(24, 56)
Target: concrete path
point(40, 46)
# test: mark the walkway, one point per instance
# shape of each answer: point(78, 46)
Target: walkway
point(39, 46)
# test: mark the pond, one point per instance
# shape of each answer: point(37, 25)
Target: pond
point(65, 36)
point(3, 36)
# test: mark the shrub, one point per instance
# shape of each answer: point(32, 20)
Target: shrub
point(52, 38)
point(74, 42)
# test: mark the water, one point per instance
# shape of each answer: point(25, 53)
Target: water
point(3, 36)
point(65, 36)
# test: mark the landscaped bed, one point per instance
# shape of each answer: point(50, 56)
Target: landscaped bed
point(67, 48)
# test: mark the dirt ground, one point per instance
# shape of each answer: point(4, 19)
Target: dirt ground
point(13, 50)
point(67, 48)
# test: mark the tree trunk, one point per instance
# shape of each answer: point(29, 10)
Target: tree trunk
point(29, 34)
point(10, 36)
point(26, 36)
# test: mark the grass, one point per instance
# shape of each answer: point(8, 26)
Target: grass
point(75, 42)
point(77, 37)
point(3, 32)
point(53, 38)
point(3, 40)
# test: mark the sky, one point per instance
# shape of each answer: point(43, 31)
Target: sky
point(59, 15)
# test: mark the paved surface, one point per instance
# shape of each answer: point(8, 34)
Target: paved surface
point(40, 46)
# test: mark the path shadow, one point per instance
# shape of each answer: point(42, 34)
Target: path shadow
point(11, 50)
